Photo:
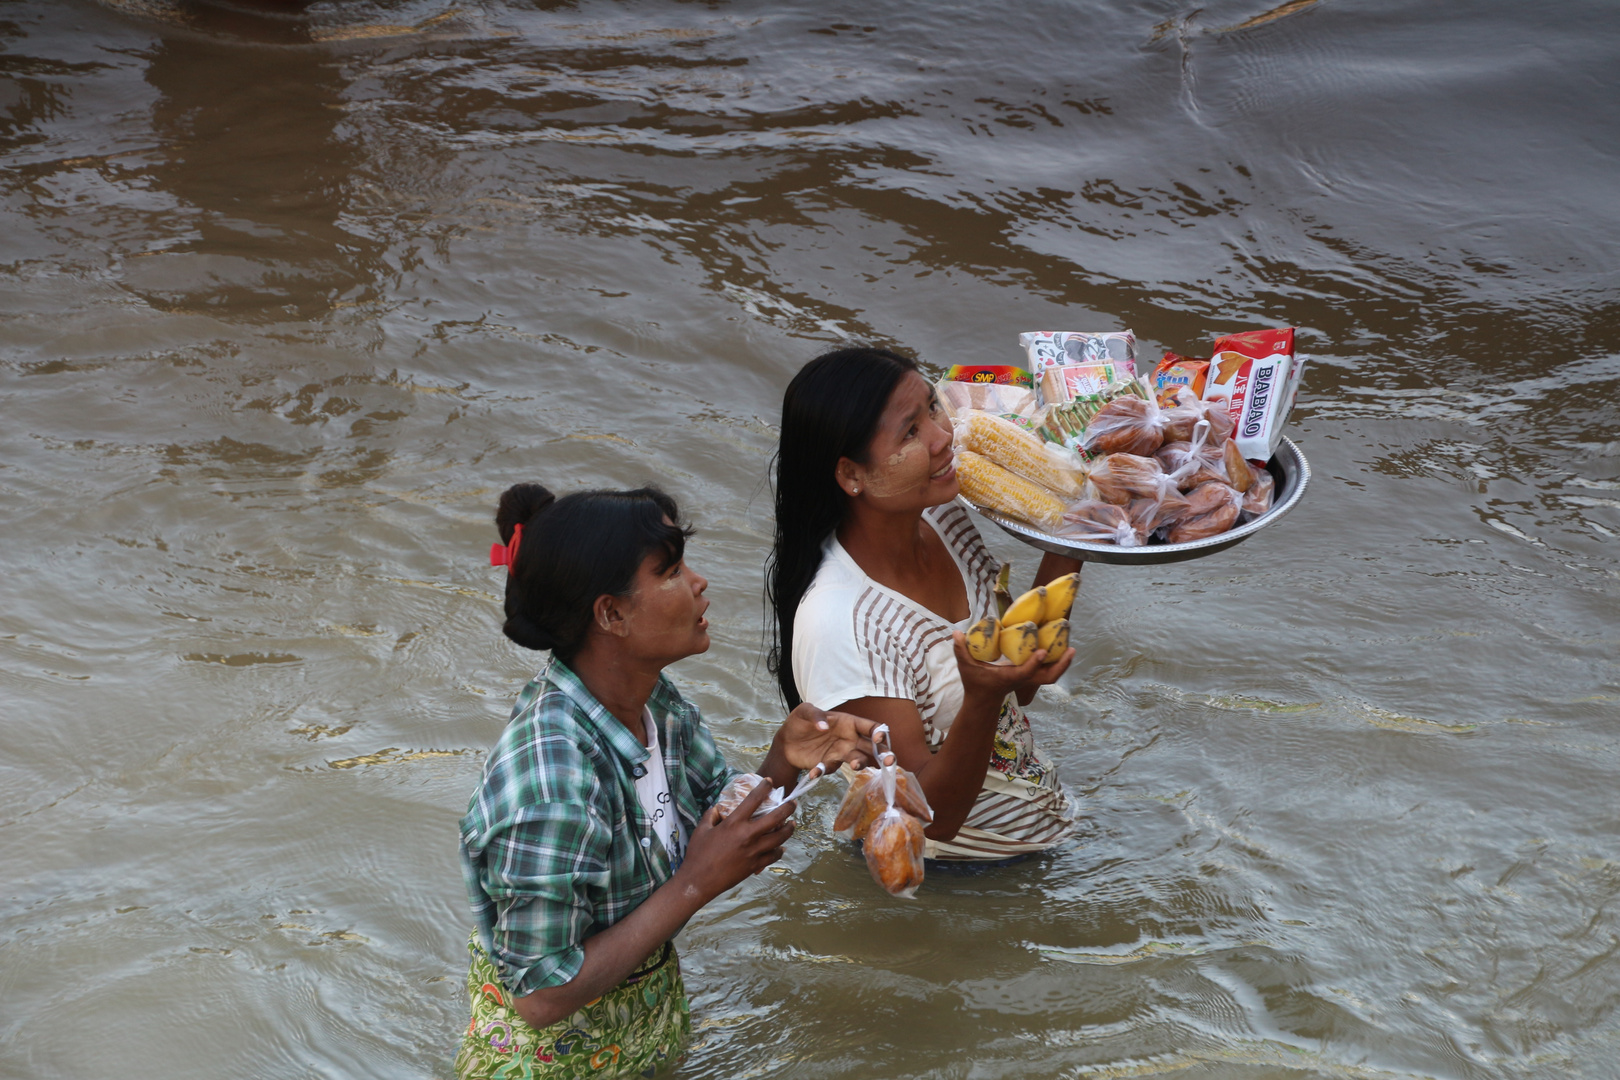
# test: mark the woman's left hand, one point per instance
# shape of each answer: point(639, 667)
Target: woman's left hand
point(810, 737)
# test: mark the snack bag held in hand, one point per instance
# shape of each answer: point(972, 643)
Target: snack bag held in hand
point(894, 843)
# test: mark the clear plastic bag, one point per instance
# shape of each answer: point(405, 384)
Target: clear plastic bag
point(1126, 425)
point(894, 842)
point(741, 786)
point(1123, 477)
point(1096, 522)
point(1257, 500)
point(1212, 508)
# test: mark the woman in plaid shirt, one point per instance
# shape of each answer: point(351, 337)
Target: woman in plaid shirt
point(593, 838)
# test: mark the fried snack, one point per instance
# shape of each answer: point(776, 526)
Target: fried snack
point(1257, 500)
point(849, 811)
point(1126, 425)
point(984, 639)
point(1099, 522)
point(908, 797)
point(988, 485)
point(1179, 419)
point(1212, 509)
point(1022, 452)
point(1123, 477)
point(1220, 421)
point(1148, 515)
point(739, 789)
point(894, 852)
point(1238, 473)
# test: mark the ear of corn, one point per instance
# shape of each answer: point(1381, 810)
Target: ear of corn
point(1019, 451)
point(988, 485)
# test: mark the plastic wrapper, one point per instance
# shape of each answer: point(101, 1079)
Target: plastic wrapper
point(1176, 371)
point(1123, 477)
point(1126, 425)
point(1181, 415)
point(1071, 364)
point(1257, 500)
point(1096, 522)
point(1254, 376)
point(988, 485)
point(738, 790)
point(894, 853)
point(1001, 399)
point(1021, 451)
point(1212, 509)
point(849, 811)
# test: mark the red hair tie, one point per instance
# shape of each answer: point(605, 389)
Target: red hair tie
point(506, 554)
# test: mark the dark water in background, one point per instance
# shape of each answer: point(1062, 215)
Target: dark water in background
point(287, 300)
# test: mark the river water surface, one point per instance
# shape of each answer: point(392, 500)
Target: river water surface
point(288, 296)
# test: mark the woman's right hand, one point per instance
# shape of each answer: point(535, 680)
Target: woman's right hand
point(987, 684)
point(724, 851)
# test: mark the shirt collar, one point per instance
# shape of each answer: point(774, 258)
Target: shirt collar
point(661, 703)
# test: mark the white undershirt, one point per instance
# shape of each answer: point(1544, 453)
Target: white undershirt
point(652, 791)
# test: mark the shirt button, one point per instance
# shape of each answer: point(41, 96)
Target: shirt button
point(638, 772)
point(646, 841)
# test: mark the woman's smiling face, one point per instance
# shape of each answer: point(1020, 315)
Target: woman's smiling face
point(909, 463)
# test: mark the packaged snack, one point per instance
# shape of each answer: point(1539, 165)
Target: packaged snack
point(1002, 374)
point(1020, 451)
point(1002, 399)
point(988, 485)
point(1097, 522)
point(849, 811)
point(892, 837)
point(1126, 425)
point(1257, 500)
point(1212, 509)
point(1058, 348)
point(1123, 477)
point(894, 852)
point(1100, 359)
point(1061, 385)
point(742, 785)
point(1176, 371)
point(1256, 375)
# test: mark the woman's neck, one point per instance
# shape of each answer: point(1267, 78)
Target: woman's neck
point(886, 546)
point(622, 684)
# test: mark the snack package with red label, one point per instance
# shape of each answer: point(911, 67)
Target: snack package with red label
point(1176, 371)
point(1257, 375)
point(1004, 374)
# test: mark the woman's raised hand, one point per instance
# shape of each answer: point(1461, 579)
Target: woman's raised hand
point(810, 737)
point(991, 682)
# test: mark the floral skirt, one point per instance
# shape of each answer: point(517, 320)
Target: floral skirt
point(636, 1029)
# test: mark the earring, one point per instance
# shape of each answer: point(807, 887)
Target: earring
point(856, 490)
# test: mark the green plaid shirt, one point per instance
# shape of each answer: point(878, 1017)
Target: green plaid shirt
point(555, 846)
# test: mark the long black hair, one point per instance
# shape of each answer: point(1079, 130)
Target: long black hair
point(830, 411)
point(577, 548)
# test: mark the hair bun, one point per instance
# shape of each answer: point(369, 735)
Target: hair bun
point(519, 503)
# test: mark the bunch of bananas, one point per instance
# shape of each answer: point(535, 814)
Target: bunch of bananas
point(1037, 620)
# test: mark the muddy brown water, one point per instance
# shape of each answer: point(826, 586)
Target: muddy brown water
point(287, 296)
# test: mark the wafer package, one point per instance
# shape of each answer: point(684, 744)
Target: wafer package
point(1067, 365)
point(1257, 375)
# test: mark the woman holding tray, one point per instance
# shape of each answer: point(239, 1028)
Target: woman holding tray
point(593, 835)
point(875, 574)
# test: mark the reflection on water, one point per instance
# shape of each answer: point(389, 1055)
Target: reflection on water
point(290, 292)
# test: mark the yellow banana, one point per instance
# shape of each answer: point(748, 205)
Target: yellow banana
point(1026, 608)
point(1060, 597)
point(1018, 643)
point(1054, 638)
point(984, 639)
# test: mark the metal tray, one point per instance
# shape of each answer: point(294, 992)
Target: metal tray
point(1287, 467)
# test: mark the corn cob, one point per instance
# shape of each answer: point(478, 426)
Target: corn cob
point(988, 485)
point(1009, 446)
